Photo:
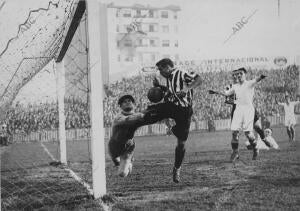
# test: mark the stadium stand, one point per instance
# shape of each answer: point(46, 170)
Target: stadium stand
point(33, 117)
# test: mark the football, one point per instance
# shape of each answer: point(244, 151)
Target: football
point(155, 94)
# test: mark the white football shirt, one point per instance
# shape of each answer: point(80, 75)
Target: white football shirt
point(244, 92)
point(289, 108)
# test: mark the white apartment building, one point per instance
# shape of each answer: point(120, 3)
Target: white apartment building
point(140, 35)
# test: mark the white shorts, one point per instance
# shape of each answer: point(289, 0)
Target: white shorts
point(243, 118)
point(289, 120)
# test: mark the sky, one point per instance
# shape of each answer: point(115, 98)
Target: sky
point(204, 25)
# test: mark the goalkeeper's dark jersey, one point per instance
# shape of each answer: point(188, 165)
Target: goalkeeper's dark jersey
point(123, 129)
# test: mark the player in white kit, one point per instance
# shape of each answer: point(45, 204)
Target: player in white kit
point(243, 116)
point(290, 118)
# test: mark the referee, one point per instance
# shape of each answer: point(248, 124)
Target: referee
point(177, 105)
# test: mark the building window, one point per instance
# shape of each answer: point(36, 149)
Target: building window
point(129, 58)
point(166, 43)
point(138, 13)
point(176, 43)
point(127, 43)
point(118, 12)
point(127, 13)
point(140, 56)
point(119, 58)
point(175, 15)
point(140, 42)
point(164, 14)
point(151, 14)
point(153, 58)
point(165, 29)
point(151, 28)
point(176, 29)
point(152, 43)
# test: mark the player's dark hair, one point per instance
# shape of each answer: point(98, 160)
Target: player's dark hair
point(164, 63)
point(240, 69)
point(124, 97)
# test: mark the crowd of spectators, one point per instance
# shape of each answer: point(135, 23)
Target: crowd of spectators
point(44, 116)
point(28, 118)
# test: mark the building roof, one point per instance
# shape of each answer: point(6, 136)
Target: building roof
point(145, 7)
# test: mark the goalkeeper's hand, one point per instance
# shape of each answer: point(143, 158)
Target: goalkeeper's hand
point(155, 82)
point(262, 77)
point(212, 92)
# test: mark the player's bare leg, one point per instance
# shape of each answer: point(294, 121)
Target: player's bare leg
point(235, 146)
point(250, 136)
point(179, 156)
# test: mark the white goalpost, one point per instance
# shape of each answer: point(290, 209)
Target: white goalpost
point(54, 113)
point(96, 98)
point(60, 92)
point(94, 66)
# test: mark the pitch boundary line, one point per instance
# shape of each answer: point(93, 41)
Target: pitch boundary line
point(76, 177)
point(47, 151)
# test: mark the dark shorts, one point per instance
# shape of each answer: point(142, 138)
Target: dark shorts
point(117, 148)
point(256, 113)
point(181, 115)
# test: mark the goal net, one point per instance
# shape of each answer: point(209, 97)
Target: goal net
point(38, 37)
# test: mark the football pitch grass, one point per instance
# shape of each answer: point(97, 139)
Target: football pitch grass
point(209, 180)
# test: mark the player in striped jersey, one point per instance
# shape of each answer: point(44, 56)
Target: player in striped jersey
point(177, 105)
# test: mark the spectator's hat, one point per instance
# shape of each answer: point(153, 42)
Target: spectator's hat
point(124, 97)
point(240, 69)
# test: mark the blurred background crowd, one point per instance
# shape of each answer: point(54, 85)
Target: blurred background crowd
point(44, 116)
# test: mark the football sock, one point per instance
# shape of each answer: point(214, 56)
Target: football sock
point(260, 131)
point(289, 133)
point(252, 142)
point(292, 133)
point(179, 155)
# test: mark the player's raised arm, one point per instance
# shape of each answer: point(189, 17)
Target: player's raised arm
point(261, 77)
point(256, 80)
